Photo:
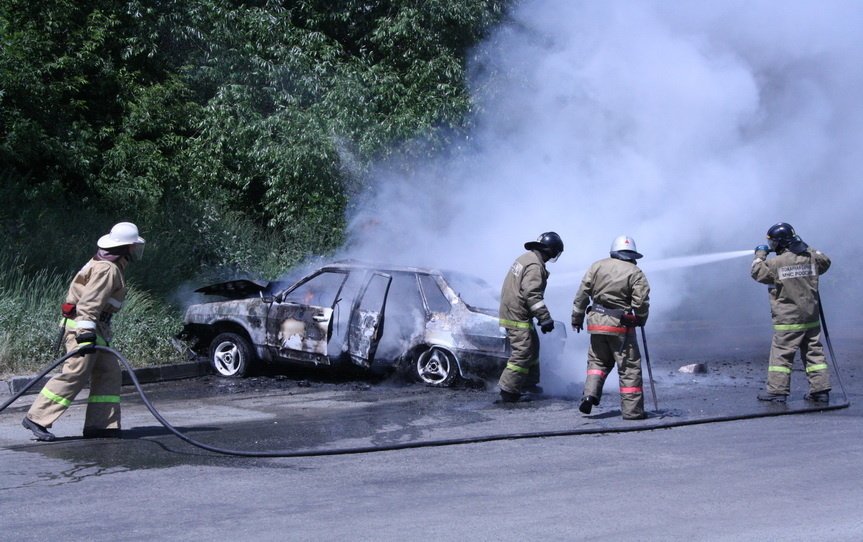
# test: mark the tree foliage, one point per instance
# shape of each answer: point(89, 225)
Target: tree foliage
point(265, 111)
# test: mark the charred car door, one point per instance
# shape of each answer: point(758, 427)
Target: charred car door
point(299, 322)
point(367, 319)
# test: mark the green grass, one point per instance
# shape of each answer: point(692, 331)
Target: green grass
point(30, 316)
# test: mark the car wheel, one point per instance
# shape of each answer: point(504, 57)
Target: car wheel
point(436, 367)
point(230, 355)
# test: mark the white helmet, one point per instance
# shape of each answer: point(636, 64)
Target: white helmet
point(124, 233)
point(625, 246)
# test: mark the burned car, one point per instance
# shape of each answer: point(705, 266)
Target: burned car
point(435, 325)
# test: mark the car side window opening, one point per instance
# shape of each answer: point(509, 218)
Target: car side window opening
point(435, 298)
point(319, 291)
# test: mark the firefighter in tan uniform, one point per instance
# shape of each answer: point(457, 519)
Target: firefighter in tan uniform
point(620, 295)
point(792, 277)
point(95, 295)
point(522, 300)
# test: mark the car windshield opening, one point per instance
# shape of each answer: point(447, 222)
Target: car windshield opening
point(474, 291)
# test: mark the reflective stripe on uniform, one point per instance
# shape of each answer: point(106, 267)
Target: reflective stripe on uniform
point(72, 324)
point(104, 399)
point(116, 303)
point(631, 389)
point(816, 367)
point(85, 324)
point(515, 368)
point(596, 372)
point(779, 369)
point(56, 398)
point(537, 305)
point(612, 329)
point(796, 327)
point(513, 324)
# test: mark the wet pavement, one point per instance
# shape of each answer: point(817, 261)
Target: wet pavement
point(283, 413)
point(293, 413)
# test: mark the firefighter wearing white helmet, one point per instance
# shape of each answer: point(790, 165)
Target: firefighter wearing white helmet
point(792, 280)
point(619, 293)
point(522, 300)
point(94, 297)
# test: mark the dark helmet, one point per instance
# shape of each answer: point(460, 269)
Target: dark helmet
point(549, 243)
point(781, 235)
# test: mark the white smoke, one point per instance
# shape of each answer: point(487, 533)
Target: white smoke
point(690, 126)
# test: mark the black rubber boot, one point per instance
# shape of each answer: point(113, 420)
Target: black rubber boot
point(587, 403)
point(818, 397)
point(38, 431)
point(509, 397)
point(90, 432)
point(774, 397)
point(535, 389)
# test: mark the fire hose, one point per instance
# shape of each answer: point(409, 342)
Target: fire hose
point(400, 446)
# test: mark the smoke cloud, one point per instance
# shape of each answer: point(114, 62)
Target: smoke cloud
point(690, 126)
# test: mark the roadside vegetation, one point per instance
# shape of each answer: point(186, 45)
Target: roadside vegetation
point(234, 134)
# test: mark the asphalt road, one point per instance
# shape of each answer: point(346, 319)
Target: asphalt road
point(684, 477)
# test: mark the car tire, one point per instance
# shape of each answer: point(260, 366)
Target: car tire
point(231, 355)
point(436, 367)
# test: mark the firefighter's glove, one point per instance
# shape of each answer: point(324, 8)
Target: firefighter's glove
point(761, 252)
point(629, 320)
point(577, 322)
point(86, 341)
point(546, 326)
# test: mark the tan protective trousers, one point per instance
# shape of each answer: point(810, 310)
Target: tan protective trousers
point(604, 353)
point(101, 370)
point(522, 367)
point(782, 351)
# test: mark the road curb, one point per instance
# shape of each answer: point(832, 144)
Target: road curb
point(145, 375)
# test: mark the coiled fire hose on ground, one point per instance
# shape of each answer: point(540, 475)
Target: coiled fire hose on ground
point(406, 445)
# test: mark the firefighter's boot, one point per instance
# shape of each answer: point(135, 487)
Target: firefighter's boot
point(587, 403)
point(772, 397)
point(90, 432)
point(38, 431)
point(509, 397)
point(818, 397)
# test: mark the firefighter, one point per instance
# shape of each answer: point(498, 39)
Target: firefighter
point(619, 293)
point(95, 295)
point(521, 300)
point(792, 279)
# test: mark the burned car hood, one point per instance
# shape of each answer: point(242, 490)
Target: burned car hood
point(235, 289)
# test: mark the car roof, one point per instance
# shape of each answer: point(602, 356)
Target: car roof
point(356, 264)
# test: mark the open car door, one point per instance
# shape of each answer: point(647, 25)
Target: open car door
point(299, 324)
point(366, 325)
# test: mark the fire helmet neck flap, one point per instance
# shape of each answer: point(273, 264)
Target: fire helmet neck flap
point(780, 236)
point(124, 234)
point(623, 247)
point(549, 243)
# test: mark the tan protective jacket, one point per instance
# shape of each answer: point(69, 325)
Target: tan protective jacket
point(794, 287)
point(523, 291)
point(614, 284)
point(98, 292)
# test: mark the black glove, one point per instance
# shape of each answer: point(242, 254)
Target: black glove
point(629, 320)
point(86, 340)
point(761, 252)
point(546, 326)
point(577, 322)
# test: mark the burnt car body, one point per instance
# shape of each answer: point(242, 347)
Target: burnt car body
point(434, 324)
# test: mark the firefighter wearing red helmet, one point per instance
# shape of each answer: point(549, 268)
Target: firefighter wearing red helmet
point(619, 293)
point(522, 300)
point(94, 297)
point(792, 280)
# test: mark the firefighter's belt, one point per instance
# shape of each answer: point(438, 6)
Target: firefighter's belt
point(614, 313)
